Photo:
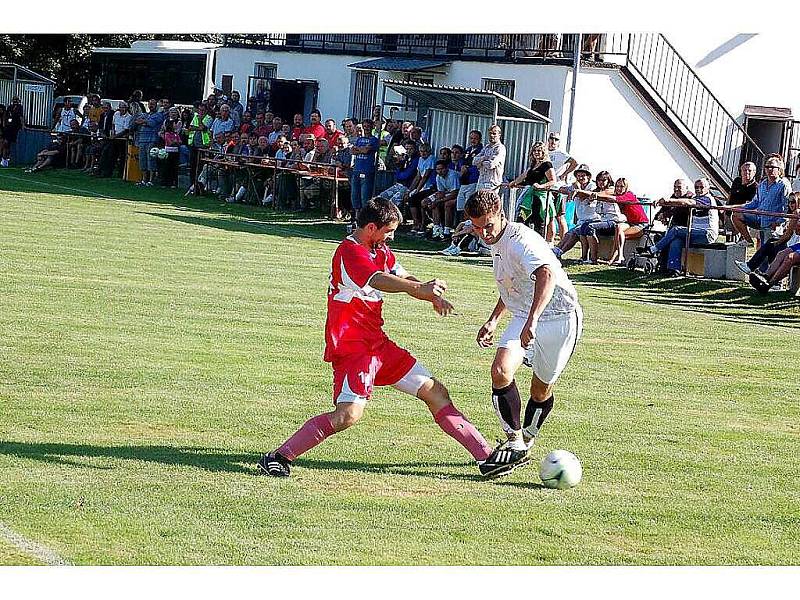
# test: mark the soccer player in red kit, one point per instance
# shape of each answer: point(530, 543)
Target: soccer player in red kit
point(361, 354)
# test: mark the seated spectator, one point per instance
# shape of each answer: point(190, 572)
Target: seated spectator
point(463, 235)
point(634, 224)
point(582, 192)
point(784, 261)
point(772, 195)
point(223, 123)
point(298, 127)
point(277, 124)
point(311, 188)
point(52, 156)
point(705, 227)
point(76, 140)
point(260, 126)
point(424, 185)
point(609, 215)
point(246, 125)
point(91, 148)
point(767, 252)
point(446, 154)
point(407, 163)
point(66, 116)
point(540, 176)
point(743, 189)
point(475, 145)
point(237, 110)
point(447, 184)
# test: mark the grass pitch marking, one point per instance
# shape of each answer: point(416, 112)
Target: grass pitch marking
point(63, 187)
point(43, 553)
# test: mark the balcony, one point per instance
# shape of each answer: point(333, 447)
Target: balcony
point(524, 47)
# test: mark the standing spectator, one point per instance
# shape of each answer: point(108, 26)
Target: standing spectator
point(331, 133)
point(93, 110)
point(170, 134)
point(13, 120)
point(135, 104)
point(316, 129)
point(772, 195)
point(223, 123)
point(105, 124)
point(362, 184)
point(237, 110)
point(91, 148)
point(491, 161)
point(468, 177)
point(261, 95)
point(277, 124)
point(541, 177)
point(198, 139)
point(246, 125)
point(474, 147)
point(563, 164)
point(298, 128)
point(66, 116)
point(146, 127)
point(705, 227)
point(349, 126)
point(260, 126)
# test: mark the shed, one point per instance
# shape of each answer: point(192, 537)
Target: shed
point(450, 113)
point(34, 91)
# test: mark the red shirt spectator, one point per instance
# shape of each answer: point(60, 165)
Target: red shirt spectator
point(331, 133)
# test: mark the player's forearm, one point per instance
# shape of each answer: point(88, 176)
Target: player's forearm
point(498, 311)
point(386, 282)
point(542, 293)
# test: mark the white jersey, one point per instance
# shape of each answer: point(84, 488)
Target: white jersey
point(515, 257)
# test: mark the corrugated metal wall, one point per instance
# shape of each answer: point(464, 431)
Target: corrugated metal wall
point(448, 128)
point(36, 99)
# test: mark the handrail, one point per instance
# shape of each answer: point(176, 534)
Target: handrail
point(687, 99)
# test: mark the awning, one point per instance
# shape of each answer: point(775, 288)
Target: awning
point(408, 65)
point(768, 112)
point(464, 100)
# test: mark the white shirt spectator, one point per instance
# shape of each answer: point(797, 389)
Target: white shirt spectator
point(66, 116)
point(490, 176)
point(122, 122)
point(559, 159)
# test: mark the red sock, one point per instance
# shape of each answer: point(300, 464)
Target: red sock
point(313, 432)
point(456, 425)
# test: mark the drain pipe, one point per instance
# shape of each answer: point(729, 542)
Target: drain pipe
point(576, 67)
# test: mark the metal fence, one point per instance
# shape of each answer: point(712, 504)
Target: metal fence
point(36, 97)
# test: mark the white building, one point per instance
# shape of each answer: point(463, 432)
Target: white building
point(647, 107)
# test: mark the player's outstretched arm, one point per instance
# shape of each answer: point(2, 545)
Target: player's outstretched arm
point(486, 332)
point(432, 291)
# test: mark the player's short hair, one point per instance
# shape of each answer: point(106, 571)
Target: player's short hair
point(481, 203)
point(379, 211)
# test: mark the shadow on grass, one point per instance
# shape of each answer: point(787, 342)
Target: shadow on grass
point(201, 458)
point(731, 301)
point(417, 469)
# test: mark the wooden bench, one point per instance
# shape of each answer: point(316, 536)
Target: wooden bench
point(715, 261)
point(606, 246)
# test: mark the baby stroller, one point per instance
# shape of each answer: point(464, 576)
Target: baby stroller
point(648, 264)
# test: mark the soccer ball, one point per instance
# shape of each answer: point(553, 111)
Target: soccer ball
point(153, 152)
point(560, 470)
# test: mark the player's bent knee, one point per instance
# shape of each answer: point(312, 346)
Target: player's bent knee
point(346, 415)
point(501, 375)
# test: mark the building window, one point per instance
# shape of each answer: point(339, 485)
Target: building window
point(541, 106)
point(266, 70)
point(227, 83)
point(504, 87)
point(364, 92)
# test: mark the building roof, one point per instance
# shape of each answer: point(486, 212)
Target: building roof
point(23, 74)
point(159, 46)
point(464, 100)
point(399, 63)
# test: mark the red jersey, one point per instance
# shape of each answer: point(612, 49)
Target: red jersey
point(633, 211)
point(355, 320)
point(318, 131)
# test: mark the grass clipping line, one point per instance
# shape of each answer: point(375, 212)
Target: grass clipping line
point(31, 548)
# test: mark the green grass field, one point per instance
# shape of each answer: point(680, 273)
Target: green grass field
point(151, 347)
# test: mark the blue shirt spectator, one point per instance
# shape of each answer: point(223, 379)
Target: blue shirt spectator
point(449, 183)
point(147, 132)
point(771, 197)
point(222, 126)
point(427, 164)
point(406, 174)
point(365, 163)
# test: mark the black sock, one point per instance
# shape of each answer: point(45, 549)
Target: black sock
point(508, 406)
point(538, 411)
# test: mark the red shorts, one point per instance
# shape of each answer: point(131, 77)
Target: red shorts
point(354, 375)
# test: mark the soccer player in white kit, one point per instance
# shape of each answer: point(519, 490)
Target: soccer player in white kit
point(546, 320)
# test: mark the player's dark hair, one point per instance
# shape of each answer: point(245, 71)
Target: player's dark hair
point(379, 211)
point(442, 163)
point(481, 203)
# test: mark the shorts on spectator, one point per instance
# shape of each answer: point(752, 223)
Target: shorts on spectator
point(751, 221)
point(464, 192)
point(147, 162)
point(396, 193)
point(592, 228)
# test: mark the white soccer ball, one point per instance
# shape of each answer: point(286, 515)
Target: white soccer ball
point(154, 152)
point(162, 153)
point(560, 470)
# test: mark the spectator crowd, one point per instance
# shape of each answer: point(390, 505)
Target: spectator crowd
point(334, 165)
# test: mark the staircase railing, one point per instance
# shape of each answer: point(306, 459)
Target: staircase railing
point(687, 100)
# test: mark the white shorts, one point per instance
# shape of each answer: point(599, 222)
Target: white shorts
point(553, 346)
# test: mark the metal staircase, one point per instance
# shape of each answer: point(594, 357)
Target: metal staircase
point(680, 98)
